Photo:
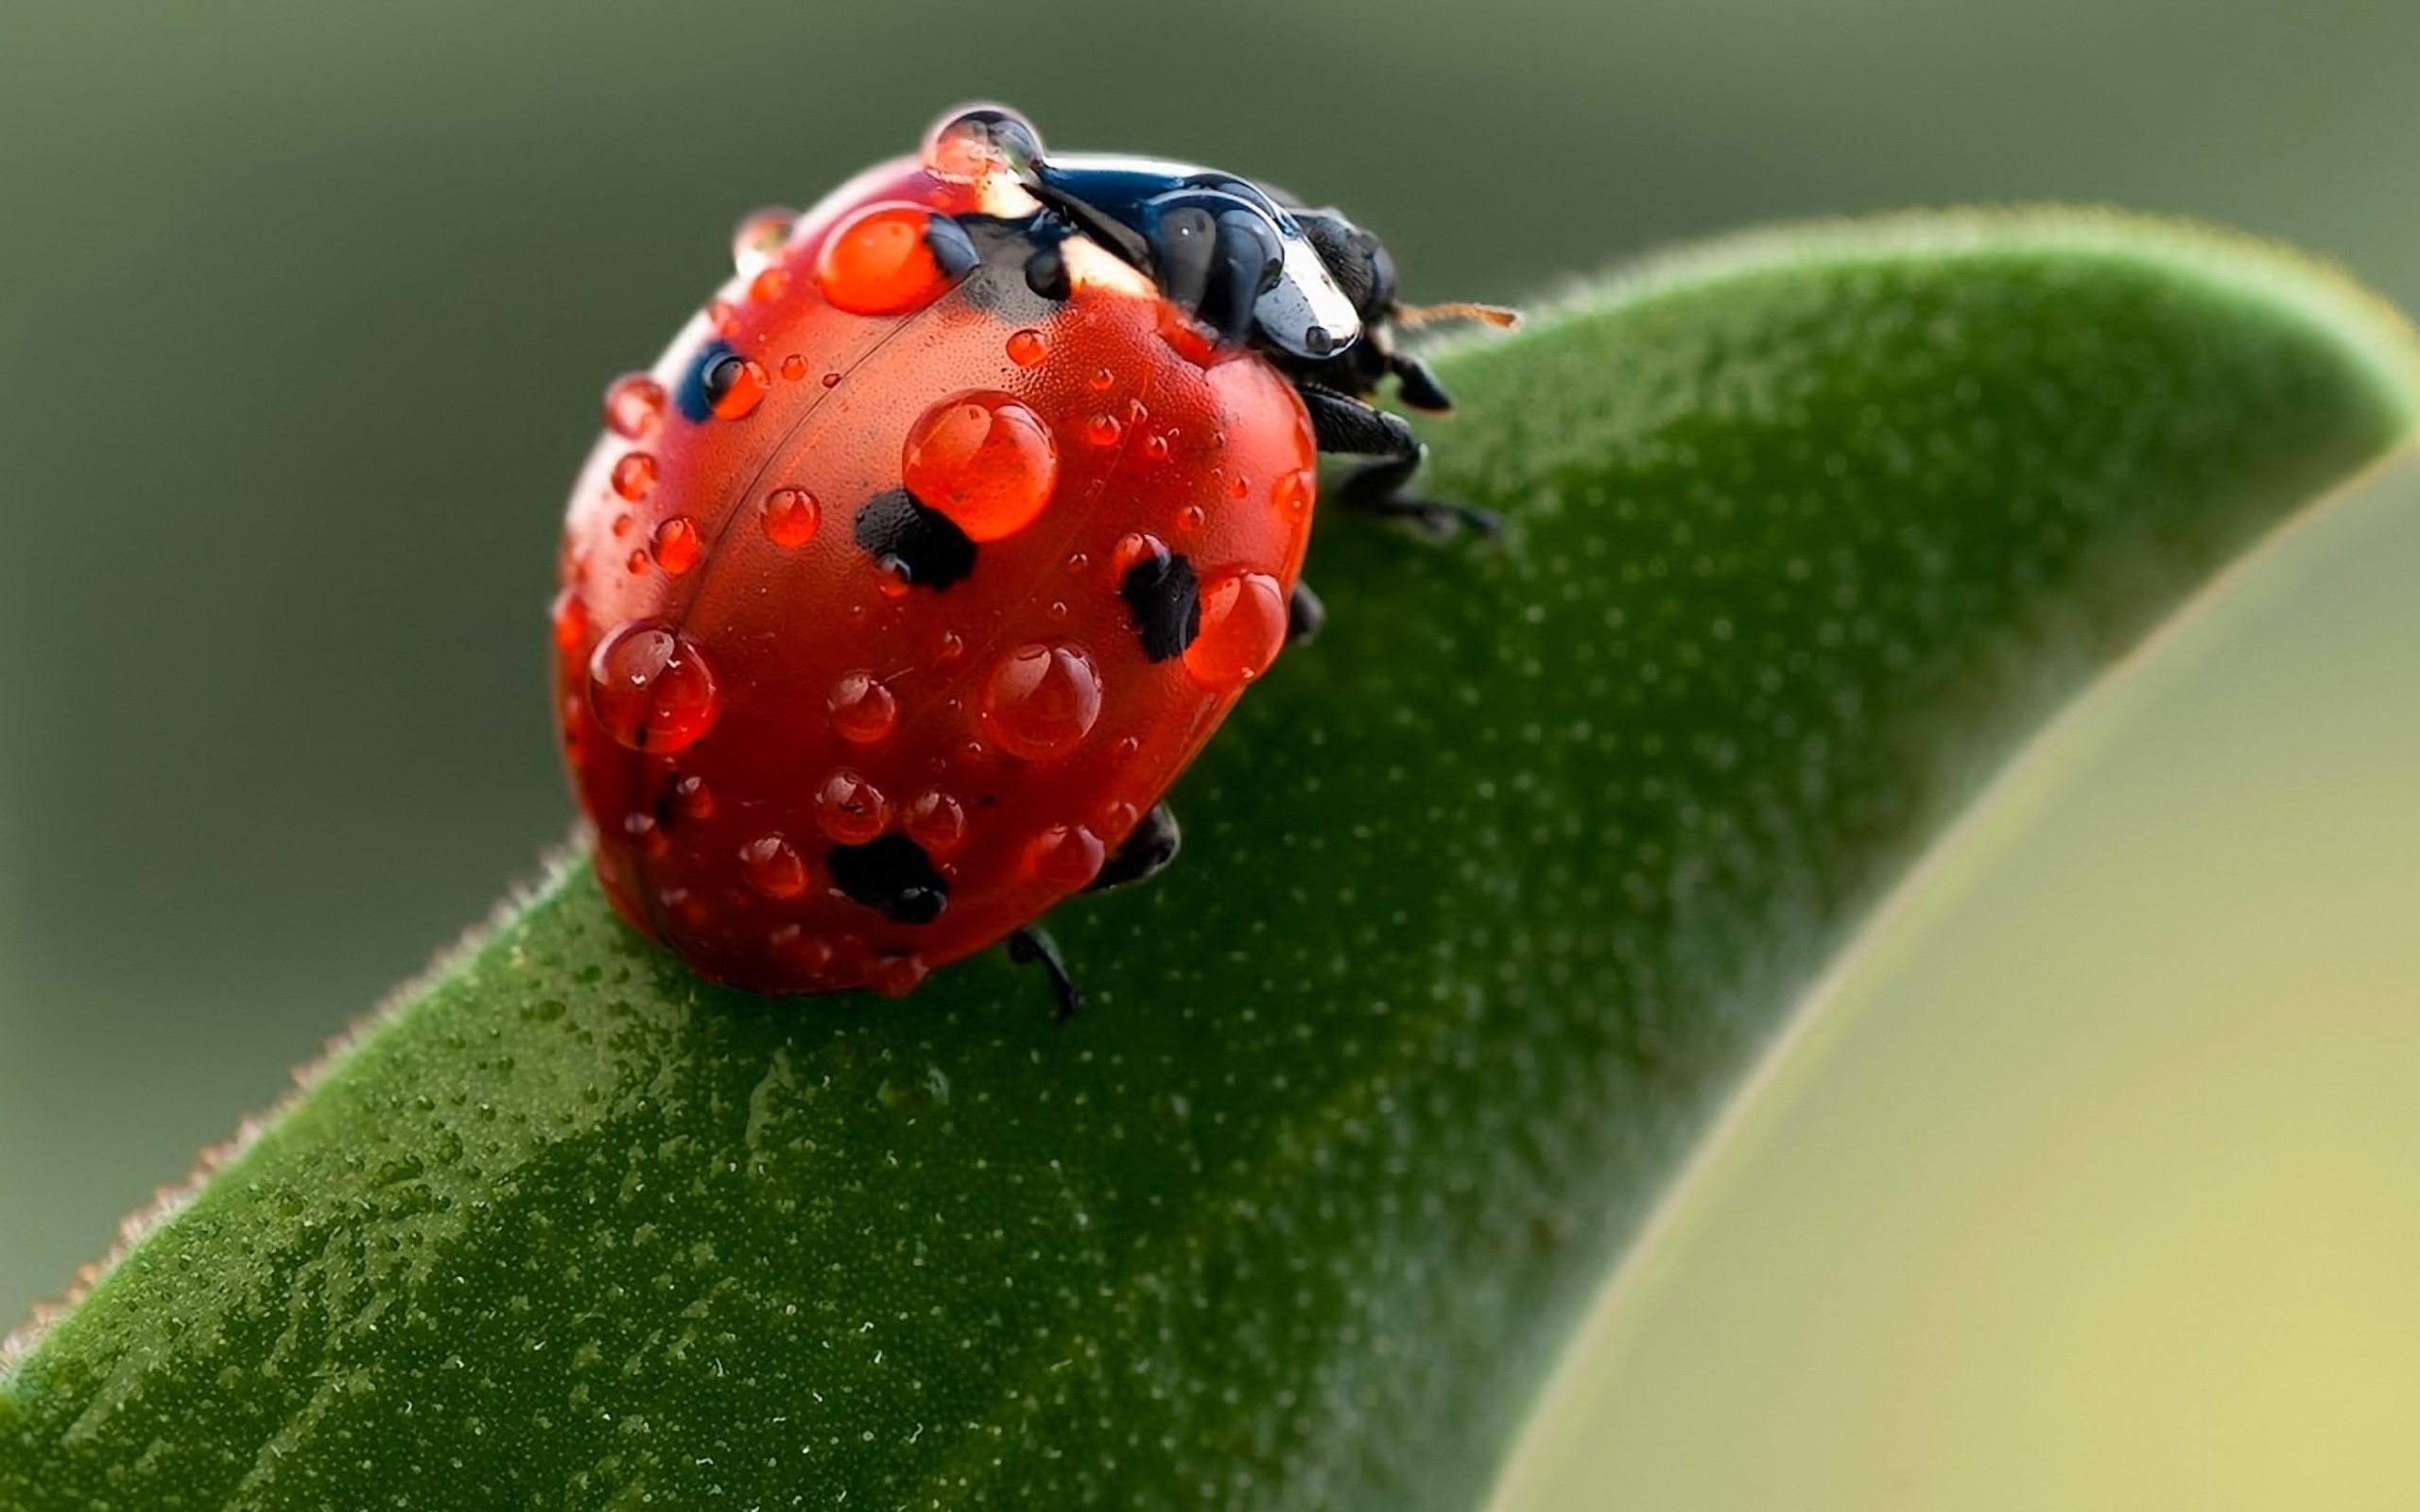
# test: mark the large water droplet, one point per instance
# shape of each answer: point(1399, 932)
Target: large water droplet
point(1295, 493)
point(1243, 626)
point(983, 459)
point(880, 262)
point(863, 711)
point(772, 866)
point(1066, 856)
point(633, 475)
point(970, 144)
point(677, 544)
point(634, 406)
point(651, 688)
point(790, 517)
point(851, 810)
point(1027, 348)
point(1040, 701)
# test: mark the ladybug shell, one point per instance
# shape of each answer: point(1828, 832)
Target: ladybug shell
point(896, 593)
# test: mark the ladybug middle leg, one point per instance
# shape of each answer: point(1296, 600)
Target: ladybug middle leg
point(1348, 426)
point(1144, 852)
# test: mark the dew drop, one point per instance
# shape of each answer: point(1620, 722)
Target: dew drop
point(790, 516)
point(1101, 380)
point(936, 821)
point(895, 976)
point(770, 285)
point(806, 953)
point(1103, 430)
point(831, 380)
point(760, 236)
point(1126, 749)
point(1066, 856)
point(1295, 493)
point(638, 562)
point(1115, 818)
point(570, 621)
point(642, 830)
point(969, 146)
point(951, 647)
point(1027, 348)
point(693, 797)
point(677, 544)
point(851, 810)
point(1041, 700)
point(735, 387)
point(1190, 518)
point(651, 688)
point(1243, 626)
point(623, 526)
point(1155, 448)
point(863, 711)
point(724, 316)
point(880, 262)
point(634, 406)
point(633, 475)
point(983, 459)
point(1239, 487)
point(772, 866)
point(793, 368)
point(1133, 550)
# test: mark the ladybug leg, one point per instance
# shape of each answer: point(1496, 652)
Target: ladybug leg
point(1029, 945)
point(1304, 615)
point(1344, 424)
point(1144, 852)
point(1418, 386)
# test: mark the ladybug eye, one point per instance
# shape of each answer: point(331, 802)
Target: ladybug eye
point(981, 140)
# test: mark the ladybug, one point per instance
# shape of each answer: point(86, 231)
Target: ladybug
point(899, 590)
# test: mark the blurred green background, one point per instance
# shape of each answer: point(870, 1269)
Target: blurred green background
point(304, 312)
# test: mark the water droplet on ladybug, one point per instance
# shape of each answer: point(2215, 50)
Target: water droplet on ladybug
point(863, 711)
point(637, 563)
point(693, 799)
point(643, 831)
point(831, 380)
point(634, 406)
point(651, 688)
point(735, 387)
point(983, 459)
point(1134, 549)
point(767, 287)
point(760, 236)
point(633, 475)
point(1115, 819)
point(951, 647)
point(790, 516)
point(772, 867)
point(724, 316)
point(1239, 487)
point(677, 544)
point(803, 951)
point(1191, 518)
point(895, 976)
point(1128, 748)
point(936, 821)
point(1243, 626)
point(1066, 856)
point(1041, 700)
point(1295, 493)
point(1077, 561)
point(1103, 430)
point(1101, 380)
point(970, 145)
point(623, 525)
point(851, 810)
point(1027, 349)
point(570, 621)
point(880, 261)
point(1155, 448)
point(793, 368)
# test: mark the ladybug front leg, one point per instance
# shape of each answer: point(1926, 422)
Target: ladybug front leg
point(1346, 426)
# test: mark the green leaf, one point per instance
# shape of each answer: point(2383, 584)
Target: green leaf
point(1488, 898)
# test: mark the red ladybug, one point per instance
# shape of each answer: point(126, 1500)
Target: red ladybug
point(903, 587)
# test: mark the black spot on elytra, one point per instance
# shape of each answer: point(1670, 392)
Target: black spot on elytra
point(1165, 601)
point(698, 390)
point(914, 540)
point(891, 875)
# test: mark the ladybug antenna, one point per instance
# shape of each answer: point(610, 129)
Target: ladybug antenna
point(1418, 315)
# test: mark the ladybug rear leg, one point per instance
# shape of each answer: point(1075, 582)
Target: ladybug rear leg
point(1304, 615)
point(1346, 426)
point(1030, 945)
point(1146, 852)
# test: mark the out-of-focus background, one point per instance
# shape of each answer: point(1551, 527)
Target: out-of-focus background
point(304, 305)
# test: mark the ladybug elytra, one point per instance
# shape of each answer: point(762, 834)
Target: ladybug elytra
point(903, 587)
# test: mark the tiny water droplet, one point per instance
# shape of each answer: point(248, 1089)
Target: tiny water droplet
point(895, 976)
point(804, 952)
point(851, 810)
point(1066, 856)
point(951, 647)
point(623, 526)
point(1239, 487)
point(831, 380)
point(724, 316)
point(863, 711)
point(695, 803)
point(937, 823)
point(643, 831)
point(678, 545)
point(772, 868)
point(633, 475)
point(790, 516)
point(1027, 349)
point(793, 368)
point(634, 406)
point(1103, 430)
point(1101, 380)
point(1191, 518)
point(983, 459)
point(1295, 493)
point(1243, 627)
point(570, 621)
point(1155, 448)
point(651, 688)
point(767, 287)
point(1041, 700)
point(637, 563)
